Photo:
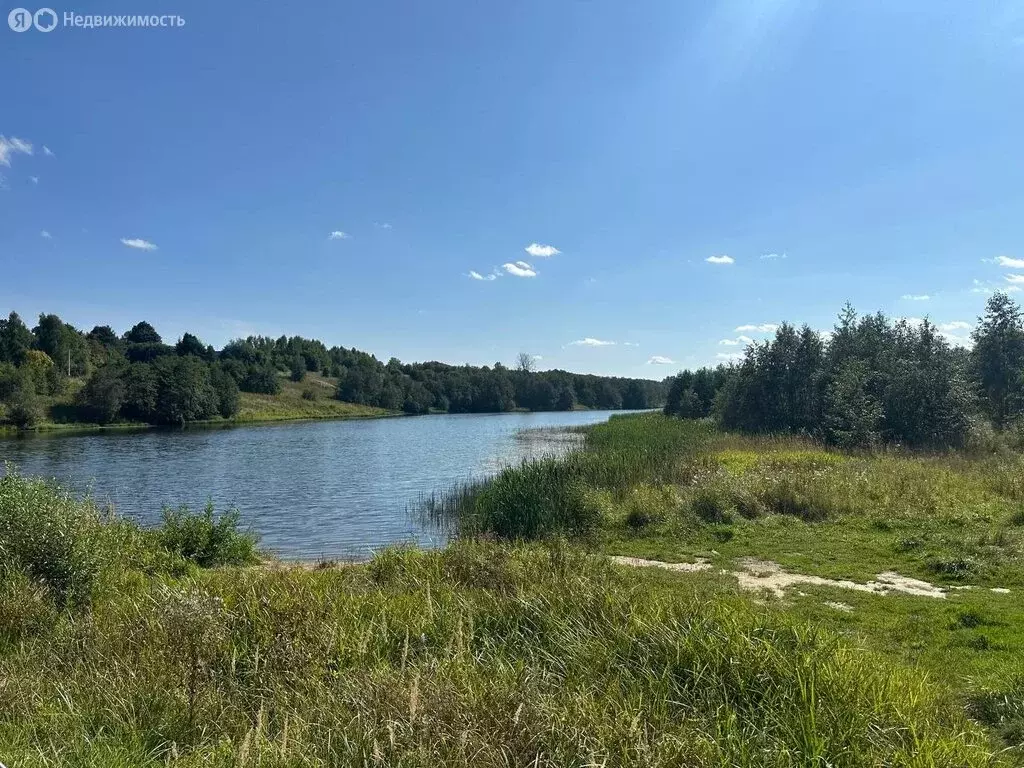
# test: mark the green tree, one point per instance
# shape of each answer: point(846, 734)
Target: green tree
point(102, 396)
point(998, 359)
point(190, 345)
point(140, 392)
point(226, 388)
point(184, 390)
point(15, 339)
point(297, 368)
point(24, 409)
point(143, 333)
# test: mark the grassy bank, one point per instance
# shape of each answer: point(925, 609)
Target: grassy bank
point(481, 655)
point(312, 398)
point(670, 490)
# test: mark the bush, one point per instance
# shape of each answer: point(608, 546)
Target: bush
point(310, 393)
point(48, 536)
point(207, 539)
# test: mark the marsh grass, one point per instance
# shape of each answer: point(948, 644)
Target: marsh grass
point(478, 655)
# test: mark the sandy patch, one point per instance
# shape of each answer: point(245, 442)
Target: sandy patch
point(757, 575)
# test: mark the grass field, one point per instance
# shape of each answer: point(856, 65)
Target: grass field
point(674, 491)
point(287, 405)
point(127, 647)
point(118, 649)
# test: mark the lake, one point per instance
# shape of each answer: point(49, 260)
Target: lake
point(310, 489)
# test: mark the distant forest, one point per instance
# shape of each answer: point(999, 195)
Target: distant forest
point(105, 377)
point(872, 381)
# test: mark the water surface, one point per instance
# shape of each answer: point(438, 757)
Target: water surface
point(310, 489)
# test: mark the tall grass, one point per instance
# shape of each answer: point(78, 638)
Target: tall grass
point(479, 655)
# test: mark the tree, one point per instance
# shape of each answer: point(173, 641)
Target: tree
point(226, 389)
point(525, 362)
point(63, 343)
point(24, 409)
point(102, 396)
point(854, 416)
point(140, 392)
point(184, 390)
point(635, 396)
point(998, 359)
point(297, 368)
point(143, 333)
point(261, 379)
point(15, 339)
point(190, 345)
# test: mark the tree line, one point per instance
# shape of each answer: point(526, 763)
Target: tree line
point(872, 381)
point(102, 377)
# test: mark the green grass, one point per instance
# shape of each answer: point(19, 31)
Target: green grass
point(478, 655)
point(290, 405)
point(287, 405)
point(671, 490)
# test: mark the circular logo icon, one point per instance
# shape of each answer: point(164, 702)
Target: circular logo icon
point(20, 20)
point(45, 19)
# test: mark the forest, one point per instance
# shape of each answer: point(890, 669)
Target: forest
point(100, 377)
point(873, 381)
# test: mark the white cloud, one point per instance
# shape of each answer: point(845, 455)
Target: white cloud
point(47, 151)
point(1006, 261)
point(956, 325)
point(1014, 278)
point(382, 225)
point(139, 243)
point(773, 256)
point(589, 342)
point(741, 340)
point(477, 276)
point(520, 269)
point(660, 360)
point(338, 235)
point(988, 287)
point(762, 328)
point(34, 179)
point(541, 251)
point(720, 260)
point(46, 235)
point(13, 146)
point(915, 296)
point(630, 344)
point(729, 355)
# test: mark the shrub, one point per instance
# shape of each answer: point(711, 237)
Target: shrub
point(207, 539)
point(310, 393)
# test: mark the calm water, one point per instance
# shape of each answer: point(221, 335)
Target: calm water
point(311, 489)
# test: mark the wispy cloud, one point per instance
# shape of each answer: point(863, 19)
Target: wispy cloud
point(47, 151)
point(382, 225)
point(590, 342)
point(338, 235)
point(138, 243)
point(519, 269)
point(477, 276)
point(729, 355)
point(981, 286)
point(34, 179)
point(723, 259)
point(13, 146)
point(762, 328)
point(956, 325)
point(1006, 261)
point(915, 296)
point(46, 235)
point(741, 340)
point(660, 360)
point(1014, 278)
point(630, 344)
point(541, 251)
point(773, 256)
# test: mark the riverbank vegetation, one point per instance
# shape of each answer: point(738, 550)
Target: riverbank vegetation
point(682, 491)
point(56, 374)
point(481, 654)
point(870, 382)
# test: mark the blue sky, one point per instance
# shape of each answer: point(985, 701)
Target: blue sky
point(873, 149)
